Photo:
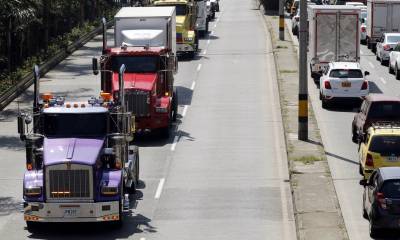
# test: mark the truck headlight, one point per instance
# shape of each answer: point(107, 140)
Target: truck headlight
point(33, 191)
point(188, 39)
point(106, 190)
point(161, 110)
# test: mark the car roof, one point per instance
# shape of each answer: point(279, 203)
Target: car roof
point(389, 173)
point(345, 65)
point(382, 98)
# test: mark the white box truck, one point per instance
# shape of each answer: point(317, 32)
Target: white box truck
point(383, 17)
point(334, 36)
point(146, 26)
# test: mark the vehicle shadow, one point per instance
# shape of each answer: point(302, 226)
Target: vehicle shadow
point(345, 106)
point(8, 205)
point(11, 142)
point(389, 235)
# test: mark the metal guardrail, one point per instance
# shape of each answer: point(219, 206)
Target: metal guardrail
point(13, 92)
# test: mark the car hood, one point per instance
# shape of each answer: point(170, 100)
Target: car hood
point(141, 81)
point(74, 150)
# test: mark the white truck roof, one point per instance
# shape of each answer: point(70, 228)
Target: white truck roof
point(145, 12)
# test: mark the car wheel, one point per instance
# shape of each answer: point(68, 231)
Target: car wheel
point(320, 96)
point(397, 72)
point(373, 231)
point(325, 104)
point(354, 137)
point(377, 57)
point(360, 170)
point(32, 227)
point(390, 69)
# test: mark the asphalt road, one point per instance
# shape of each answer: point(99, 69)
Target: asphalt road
point(222, 175)
point(342, 153)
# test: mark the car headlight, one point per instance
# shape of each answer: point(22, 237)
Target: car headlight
point(33, 191)
point(188, 39)
point(106, 190)
point(161, 110)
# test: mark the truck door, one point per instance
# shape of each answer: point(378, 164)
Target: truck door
point(348, 37)
point(324, 39)
point(395, 17)
point(379, 19)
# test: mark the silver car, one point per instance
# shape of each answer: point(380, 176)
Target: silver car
point(384, 45)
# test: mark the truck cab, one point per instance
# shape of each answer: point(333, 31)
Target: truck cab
point(187, 40)
point(80, 160)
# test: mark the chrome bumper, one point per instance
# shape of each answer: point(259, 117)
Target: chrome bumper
point(71, 212)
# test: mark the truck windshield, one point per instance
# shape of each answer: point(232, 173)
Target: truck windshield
point(181, 9)
point(346, 73)
point(393, 39)
point(139, 64)
point(385, 145)
point(75, 125)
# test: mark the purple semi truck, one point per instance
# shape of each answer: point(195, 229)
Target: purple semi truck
point(81, 164)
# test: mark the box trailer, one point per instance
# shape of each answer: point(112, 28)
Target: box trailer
point(383, 17)
point(334, 35)
point(146, 26)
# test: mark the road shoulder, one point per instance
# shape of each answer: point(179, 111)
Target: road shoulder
point(317, 210)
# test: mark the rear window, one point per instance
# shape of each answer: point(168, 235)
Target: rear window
point(385, 110)
point(385, 145)
point(346, 73)
point(391, 189)
point(393, 39)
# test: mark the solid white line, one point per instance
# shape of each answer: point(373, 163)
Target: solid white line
point(382, 80)
point(173, 146)
point(370, 63)
point(159, 188)
point(208, 41)
point(199, 67)
point(184, 110)
point(193, 85)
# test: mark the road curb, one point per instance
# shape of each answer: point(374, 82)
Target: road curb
point(316, 207)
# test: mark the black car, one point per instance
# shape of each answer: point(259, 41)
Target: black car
point(381, 199)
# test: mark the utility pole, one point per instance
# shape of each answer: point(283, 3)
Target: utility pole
point(281, 21)
point(303, 88)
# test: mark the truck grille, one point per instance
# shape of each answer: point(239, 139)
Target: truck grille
point(138, 102)
point(69, 182)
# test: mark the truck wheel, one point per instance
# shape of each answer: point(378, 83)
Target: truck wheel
point(217, 8)
point(137, 168)
point(360, 170)
point(175, 105)
point(32, 227)
point(397, 72)
point(354, 137)
point(207, 27)
point(368, 44)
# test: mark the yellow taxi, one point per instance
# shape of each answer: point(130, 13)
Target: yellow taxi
point(380, 147)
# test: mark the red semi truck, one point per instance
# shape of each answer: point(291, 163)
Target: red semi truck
point(145, 41)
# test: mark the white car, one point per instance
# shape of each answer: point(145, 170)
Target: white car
point(384, 45)
point(394, 61)
point(343, 80)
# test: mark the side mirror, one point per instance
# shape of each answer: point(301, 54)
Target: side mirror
point(95, 66)
point(366, 73)
point(363, 182)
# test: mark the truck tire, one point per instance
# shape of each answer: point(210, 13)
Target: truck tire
point(207, 26)
point(175, 105)
point(32, 227)
point(397, 72)
point(137, 176)
point(368, 43)
point(354, 136)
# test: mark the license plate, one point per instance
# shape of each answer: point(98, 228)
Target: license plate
point(346, 84)
point(71, 212)
point(392, 159)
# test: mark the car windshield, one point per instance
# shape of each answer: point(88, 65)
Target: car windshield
point(384, 110)
point(346, 73)
point(75, 124)
point(393, 39)
point(386, 145)
point(142, 64)
point(391, 189)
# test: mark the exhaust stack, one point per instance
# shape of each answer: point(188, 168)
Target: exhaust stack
point(104, 22)
point(36, 88)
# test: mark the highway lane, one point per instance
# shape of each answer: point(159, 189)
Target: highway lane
point(342, 155)
point(220, 176)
